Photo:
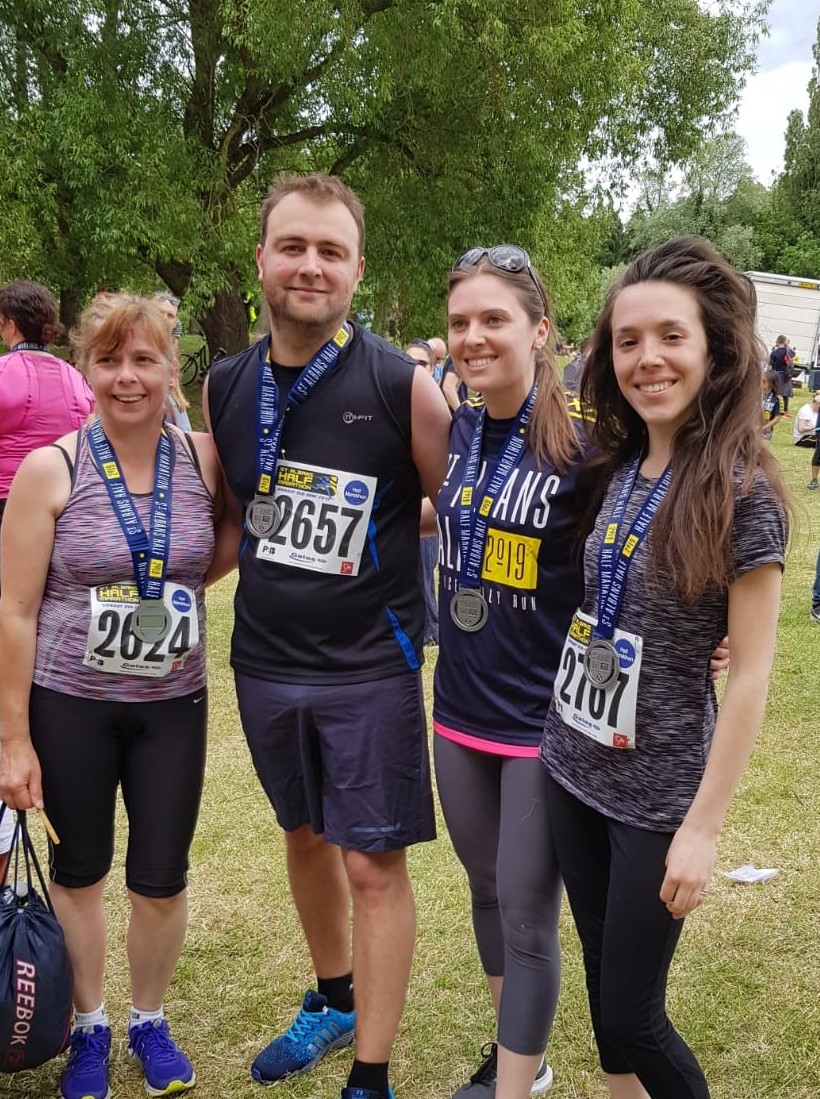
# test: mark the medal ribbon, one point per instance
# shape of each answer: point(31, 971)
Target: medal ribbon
point(149, 552)
point(270, 423)
point(614, 563)
point(474, 523)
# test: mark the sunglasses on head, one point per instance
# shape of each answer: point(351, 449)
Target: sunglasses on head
point(504, 257)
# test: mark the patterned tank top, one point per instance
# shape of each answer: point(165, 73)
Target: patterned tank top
point(90, 550)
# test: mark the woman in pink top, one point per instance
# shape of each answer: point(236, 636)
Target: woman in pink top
point(41, 397)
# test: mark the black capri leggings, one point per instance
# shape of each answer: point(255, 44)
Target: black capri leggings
point(613, 875)
point(155, 751)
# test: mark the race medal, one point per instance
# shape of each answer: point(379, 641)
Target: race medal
point(601, 663)
point(469, 610)
point(263, 516)
point(151, 621)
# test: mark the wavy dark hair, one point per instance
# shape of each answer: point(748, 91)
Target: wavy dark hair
point(717, 452)
point(551, 434)
point(33, 309)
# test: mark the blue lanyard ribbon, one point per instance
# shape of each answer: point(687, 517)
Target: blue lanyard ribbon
point(270, 424)
point(149, 552)
point(29, 345)
point(614, 563)
point(473, 523)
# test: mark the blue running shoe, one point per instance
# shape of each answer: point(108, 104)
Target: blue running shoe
point(315, 1031)
point(167, 1070)
point(364, 1093)
point(86, 1073)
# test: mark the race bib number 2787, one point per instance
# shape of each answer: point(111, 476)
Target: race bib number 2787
point(605, 714)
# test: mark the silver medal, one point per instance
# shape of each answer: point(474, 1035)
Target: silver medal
point(263, 516)
point(151, 621)
point(469, 610)
point(601, 663)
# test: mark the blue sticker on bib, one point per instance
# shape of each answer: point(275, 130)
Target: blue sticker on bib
point(181, 601)
point(356, 492)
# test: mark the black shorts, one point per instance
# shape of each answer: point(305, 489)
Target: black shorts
point(351, 760)
point(155, 751)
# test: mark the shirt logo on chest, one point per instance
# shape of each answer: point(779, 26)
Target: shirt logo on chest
point(355, 417)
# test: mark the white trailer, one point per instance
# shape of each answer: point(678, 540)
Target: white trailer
point(789, 306)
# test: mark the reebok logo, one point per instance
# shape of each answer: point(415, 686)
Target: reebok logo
point(25, 998)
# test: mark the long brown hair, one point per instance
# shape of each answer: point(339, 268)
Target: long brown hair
point(720, 448)
point(551, 434)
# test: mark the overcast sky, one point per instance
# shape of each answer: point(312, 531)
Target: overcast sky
point(780, 84)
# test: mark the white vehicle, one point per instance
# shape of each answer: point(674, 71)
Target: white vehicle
point(789, 306)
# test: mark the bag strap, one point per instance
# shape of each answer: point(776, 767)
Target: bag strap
point(21, 841)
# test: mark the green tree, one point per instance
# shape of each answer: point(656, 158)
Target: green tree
point(793, 227)
point(143, 133)
point(717, 198)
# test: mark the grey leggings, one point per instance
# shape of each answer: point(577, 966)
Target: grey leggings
point(496, 813)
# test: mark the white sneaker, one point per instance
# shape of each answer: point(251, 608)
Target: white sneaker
point(543, 1078)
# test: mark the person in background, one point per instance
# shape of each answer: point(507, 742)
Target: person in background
point(422, 353)
point(178, 403)
point(807, 433)
point(439, 349)
point(41, 397)
point(804, 431)
point(772, 403)
point(454, 389)
point(572, 371)
point(781, 360)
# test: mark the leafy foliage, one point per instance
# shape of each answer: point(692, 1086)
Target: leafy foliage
point(143, 133)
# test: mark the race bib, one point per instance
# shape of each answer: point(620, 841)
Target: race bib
point(112, 647)
point(606, 714)
point(325, 516)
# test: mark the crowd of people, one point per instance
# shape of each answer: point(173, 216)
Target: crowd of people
point(570, 583)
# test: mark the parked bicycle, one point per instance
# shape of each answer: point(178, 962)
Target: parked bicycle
point(194, 366)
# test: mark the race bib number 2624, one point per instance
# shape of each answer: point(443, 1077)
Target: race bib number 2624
point(113, 647)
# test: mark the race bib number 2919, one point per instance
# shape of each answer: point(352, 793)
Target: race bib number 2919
point(605, 714)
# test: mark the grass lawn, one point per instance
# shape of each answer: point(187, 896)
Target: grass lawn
point(744, 986)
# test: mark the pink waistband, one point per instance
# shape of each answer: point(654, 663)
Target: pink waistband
point(479, 744)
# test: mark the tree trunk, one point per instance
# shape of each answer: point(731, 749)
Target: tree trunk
point(225, 323)
point(70, 302)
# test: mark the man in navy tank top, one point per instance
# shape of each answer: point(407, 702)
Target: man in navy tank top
point(329, 437)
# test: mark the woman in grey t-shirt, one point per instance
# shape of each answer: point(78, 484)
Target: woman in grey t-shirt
point(686, 537)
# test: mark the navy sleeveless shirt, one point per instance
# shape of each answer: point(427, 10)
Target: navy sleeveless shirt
point(347, 467)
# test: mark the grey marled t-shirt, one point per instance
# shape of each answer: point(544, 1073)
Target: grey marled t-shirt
point(653, 785)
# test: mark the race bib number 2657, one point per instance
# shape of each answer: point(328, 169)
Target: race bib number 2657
point(325, 514)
